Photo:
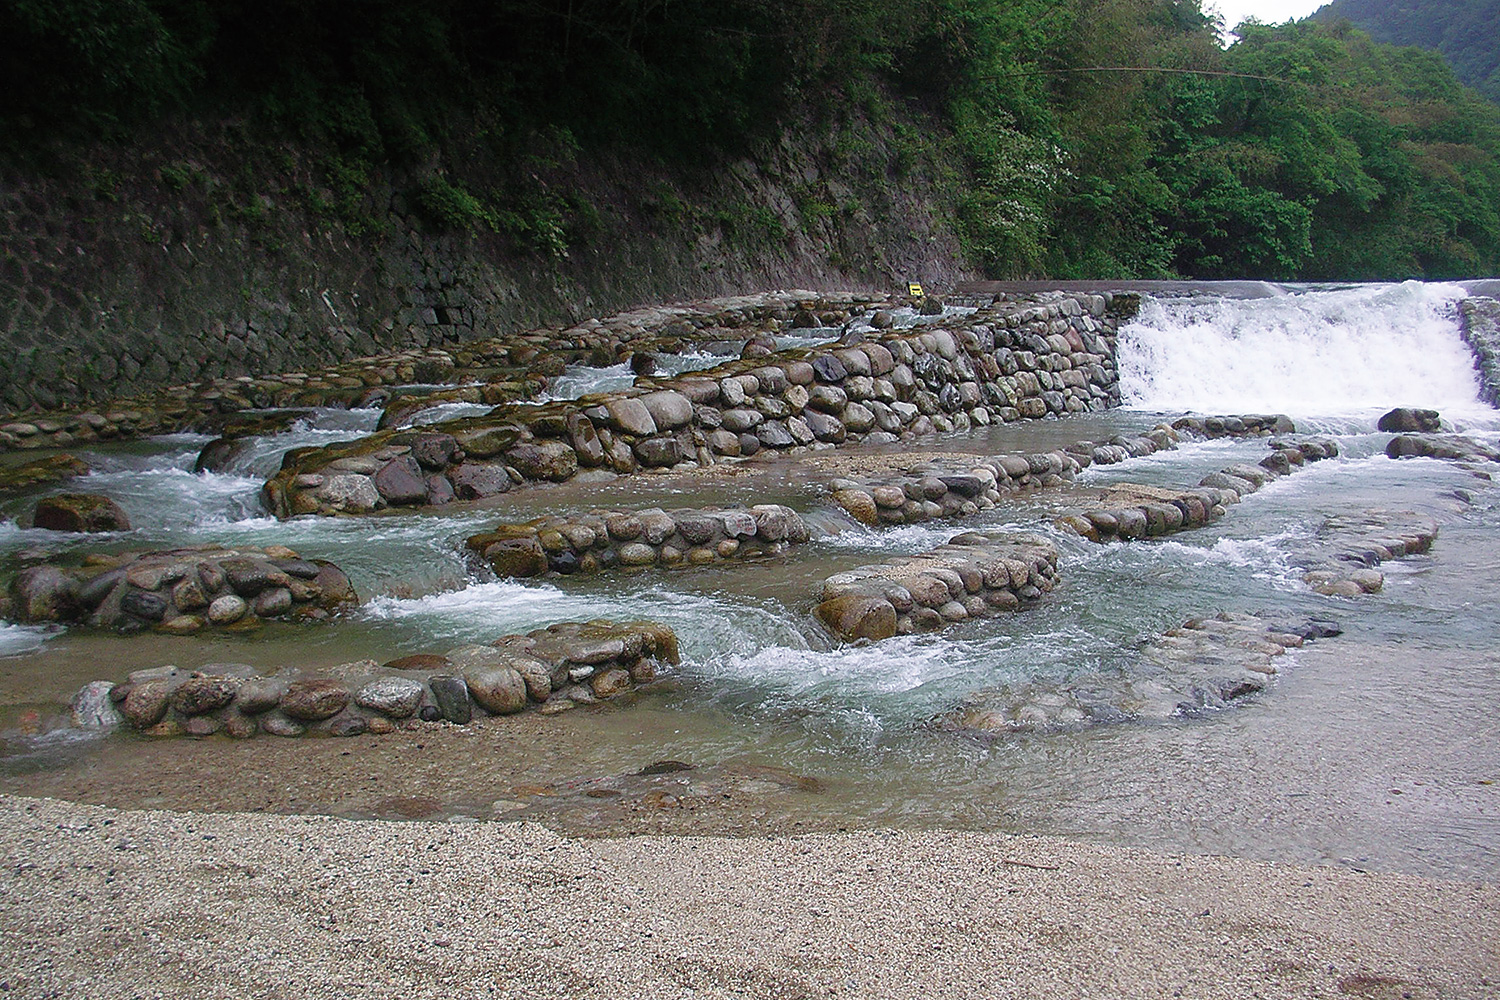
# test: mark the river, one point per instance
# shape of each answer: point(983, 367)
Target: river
point(1379, 748)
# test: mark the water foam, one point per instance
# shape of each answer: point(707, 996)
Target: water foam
point(1317, 352)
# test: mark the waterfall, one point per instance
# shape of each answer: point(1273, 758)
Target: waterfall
point(1316, 352)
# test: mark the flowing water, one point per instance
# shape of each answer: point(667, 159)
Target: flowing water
point(1377, 748)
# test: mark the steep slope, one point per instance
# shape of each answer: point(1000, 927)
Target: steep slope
point(1466, 32)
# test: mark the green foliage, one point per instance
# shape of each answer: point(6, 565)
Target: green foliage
point(449, 206)
point(1466, 32)
point(1079, 138)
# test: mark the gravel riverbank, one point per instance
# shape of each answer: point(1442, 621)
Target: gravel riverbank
point(110, 903)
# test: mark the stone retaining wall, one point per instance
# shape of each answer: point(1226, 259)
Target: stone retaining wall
point(1479, 321)
point(1025, 360)
point(510, 366)
point(973, 576)
point(181, 591)
point(617, 539)
point(555, 669)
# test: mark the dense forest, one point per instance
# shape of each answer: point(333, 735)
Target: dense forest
point(1466, 32)
point(1090, 137)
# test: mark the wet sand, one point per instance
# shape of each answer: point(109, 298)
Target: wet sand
point(100, 902)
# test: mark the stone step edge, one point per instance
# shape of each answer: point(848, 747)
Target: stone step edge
point(973, 575)
point(1170, 512)
point(549, 670)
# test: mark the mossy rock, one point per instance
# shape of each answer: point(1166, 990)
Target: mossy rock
point(52, 469)
point(85, 512)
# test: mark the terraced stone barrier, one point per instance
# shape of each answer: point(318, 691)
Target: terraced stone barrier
point(974, 575)
point(948, 488)
point(181, 591)
point(1137, 511)
point(1244, 425)
point(958, 486)
point(1201, 666)
point(1024, 361)
point(1341, 559)
point(511, 366)
point(552, 669)
point(626, 540)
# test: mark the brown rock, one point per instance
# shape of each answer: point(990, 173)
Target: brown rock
point(857, 616)
point(197, 695)
point(145, 705)
point(88, 512)
point(499, 690)
point(314, 700)
point(610, 683)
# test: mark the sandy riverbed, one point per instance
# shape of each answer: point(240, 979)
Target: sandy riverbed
point(104, 903)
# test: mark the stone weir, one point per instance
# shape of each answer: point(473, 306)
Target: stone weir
point(1204, 665)
point(617, 539)
point(1340, 561)
point(974, 575)
point(1136, 511)
point(957, 486)
point(181, 591)
point(552, 669)
point(1450, 447)
point(511, 366)
point(1023, 360)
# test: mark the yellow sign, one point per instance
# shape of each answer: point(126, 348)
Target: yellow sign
point(914, 289)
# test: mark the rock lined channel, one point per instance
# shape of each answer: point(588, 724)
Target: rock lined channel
point(625, 540)
point(552, 669)
point(1201, 666)
point(974, 575)
point(1022, 361)
point(181, 591)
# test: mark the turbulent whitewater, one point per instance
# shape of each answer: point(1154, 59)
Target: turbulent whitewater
point(1317, 353)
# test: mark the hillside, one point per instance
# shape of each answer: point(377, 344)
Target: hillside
point(314, 178)
point(1466, 32)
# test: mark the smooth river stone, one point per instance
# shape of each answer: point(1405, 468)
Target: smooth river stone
point(314, 700)
point(500, 690)
point(397, 697)
point(227, 610)
point(197, 695)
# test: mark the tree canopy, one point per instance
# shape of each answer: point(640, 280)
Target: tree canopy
point(1097, 137)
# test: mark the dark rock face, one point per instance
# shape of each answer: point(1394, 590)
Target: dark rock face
point(80, 512)
point(1404, 419)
